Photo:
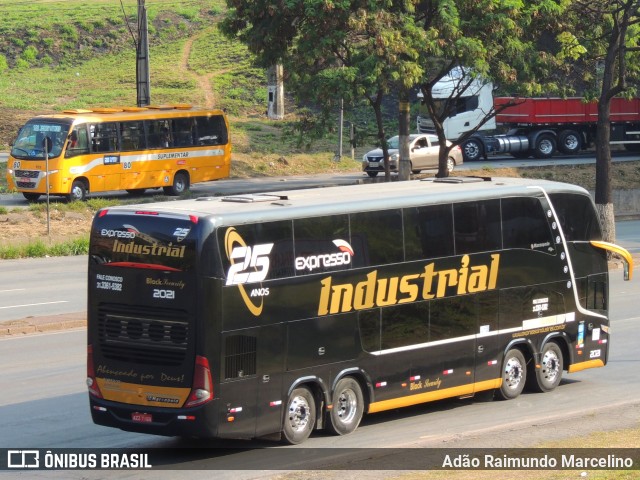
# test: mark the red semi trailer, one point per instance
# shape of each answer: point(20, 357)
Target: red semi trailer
point(536, 127)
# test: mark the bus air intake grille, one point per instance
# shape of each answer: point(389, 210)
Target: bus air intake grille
point(144, 335)
point(27, 173)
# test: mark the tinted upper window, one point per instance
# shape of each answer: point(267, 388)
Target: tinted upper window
point(525, 225)
point(380, 234)
point(428, 231)
point(258, 251)
point(139, 240)
point(577, 216)
point(323, 244)
point(477, 226)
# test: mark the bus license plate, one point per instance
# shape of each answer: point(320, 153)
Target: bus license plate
point(142, 417)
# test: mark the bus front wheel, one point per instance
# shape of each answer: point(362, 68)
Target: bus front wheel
point(514, 375)
point(347, 407)
point(78, 191)
point(179, 186)
point(300, 416)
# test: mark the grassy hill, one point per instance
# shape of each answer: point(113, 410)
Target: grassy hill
point(58, 54)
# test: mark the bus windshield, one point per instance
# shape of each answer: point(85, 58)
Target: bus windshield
point(29, 144)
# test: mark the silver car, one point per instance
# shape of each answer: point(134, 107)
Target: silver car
point(423, 153)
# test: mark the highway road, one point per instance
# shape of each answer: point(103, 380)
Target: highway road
point(270, 184)
point(44, 405)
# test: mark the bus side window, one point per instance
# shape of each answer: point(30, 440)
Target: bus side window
point(211, 130)
point(78, 141)
point(158, 133)
point(132, 135)
point(183, 132)
point(477, 226)
point(524, 225)
point(380, 234)
point(428, 232)
point(105, 137)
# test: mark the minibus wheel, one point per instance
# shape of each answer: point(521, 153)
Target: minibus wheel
point(78, 191)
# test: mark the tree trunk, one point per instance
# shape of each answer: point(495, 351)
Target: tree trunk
point(404, 162)
point(608, 221)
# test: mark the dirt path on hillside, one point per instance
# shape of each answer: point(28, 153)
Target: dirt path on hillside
point(203, 81)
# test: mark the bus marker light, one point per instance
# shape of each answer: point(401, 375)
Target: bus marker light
point(492, 362)
point(235, 410)
point(414, 378)
point(275, 403)
point(381, 384)
point(404, 385)
point(186, 417)
point(230, 419)
point(448, 372)
point(100, 409)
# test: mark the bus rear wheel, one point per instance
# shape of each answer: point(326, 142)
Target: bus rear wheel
point(179, 186)
point(514, 375)
point(548, 376)
point(300, 416)
point(347, 407)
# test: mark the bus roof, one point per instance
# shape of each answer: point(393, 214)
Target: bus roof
point(314, 202)
point(80, 115)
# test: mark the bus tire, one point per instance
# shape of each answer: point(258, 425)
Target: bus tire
point(300, 416)
point(31, 197)
point(347, 406)
point(548, 376)
point(78, 191)
point(514, 375)
point(179, 186)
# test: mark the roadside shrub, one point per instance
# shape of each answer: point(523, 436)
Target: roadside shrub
point(36, 249)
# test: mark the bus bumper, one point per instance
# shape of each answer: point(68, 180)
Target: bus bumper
point(192, 422)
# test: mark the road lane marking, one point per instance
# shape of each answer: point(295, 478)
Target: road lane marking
point(34, 304)
point(13, 290)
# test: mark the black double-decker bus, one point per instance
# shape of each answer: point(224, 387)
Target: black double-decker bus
point(277, 314)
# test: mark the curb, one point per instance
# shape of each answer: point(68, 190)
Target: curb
point(51, 323)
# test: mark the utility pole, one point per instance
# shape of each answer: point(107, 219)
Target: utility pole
point(143, 79)
point(275, 86)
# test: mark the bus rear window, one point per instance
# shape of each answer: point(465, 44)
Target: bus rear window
point(140, 241)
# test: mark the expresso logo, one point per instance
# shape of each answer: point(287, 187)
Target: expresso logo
point(248, 265)
point(327, 260)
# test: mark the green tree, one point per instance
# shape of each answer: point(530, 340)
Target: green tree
point(609, 35)
point(335, 50)
point(500, 41)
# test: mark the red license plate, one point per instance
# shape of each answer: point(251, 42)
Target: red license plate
point(24, 180)
point(142, 417)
